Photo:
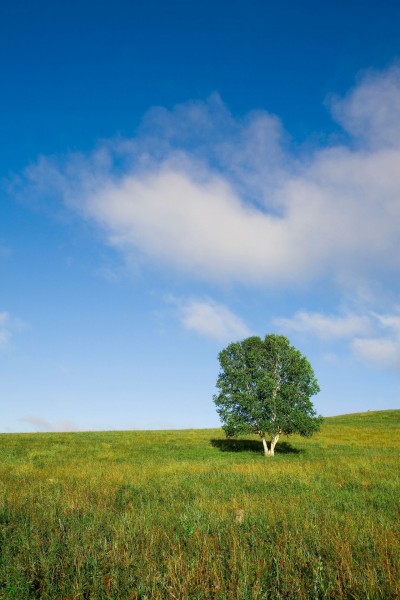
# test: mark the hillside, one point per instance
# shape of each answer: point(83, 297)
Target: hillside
point(189, 514)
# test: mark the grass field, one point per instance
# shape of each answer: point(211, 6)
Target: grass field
point(188, 514)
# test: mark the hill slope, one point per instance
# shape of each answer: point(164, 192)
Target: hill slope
point(189, 514)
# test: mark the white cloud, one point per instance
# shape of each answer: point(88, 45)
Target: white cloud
point(41, 424)
point(202, 228)
point(391, 322)
point(212, 320)
point(379, 351)
point(325, 326)
point(8, 326)
point(222, 200)
point(4, 333)
point(371, 113)
point(383, 349)
point(373, 337)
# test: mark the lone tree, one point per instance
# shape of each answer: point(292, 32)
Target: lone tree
point(265, 388)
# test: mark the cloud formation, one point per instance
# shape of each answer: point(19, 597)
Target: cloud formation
point(380, 351)
point(213, 320)
point(373, 337)
point(223, 199)
point(4, 333)
point(8, 325)
point(325, 326)
point(371, 113)
point(384, 348)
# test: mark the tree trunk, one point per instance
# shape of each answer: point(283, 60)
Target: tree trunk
point(270, 451)
point(264, 441)
point(273, 444)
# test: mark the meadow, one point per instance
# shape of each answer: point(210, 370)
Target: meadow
point(191, 515)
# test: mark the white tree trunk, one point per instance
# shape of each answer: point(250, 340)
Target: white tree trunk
point(264, 441)
point(273, 444)
point(270, 451)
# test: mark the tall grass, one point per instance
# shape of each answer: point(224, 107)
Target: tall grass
point(187, 514)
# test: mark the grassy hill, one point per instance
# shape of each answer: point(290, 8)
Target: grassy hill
point(189, 514)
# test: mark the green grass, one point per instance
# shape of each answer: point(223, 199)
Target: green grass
point(186, 514)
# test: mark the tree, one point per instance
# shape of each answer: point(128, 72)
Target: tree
point(265, 388)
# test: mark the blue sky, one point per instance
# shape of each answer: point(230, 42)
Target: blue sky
point(175, 176)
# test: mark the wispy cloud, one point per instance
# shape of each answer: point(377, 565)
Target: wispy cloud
point(389, 322)
point(325, 326)
point(8, 326)
point(371, 113)
point(4, 333)
point(222, 199)
point(371, 336)
point(380, 351)
point(212, 320)
point(41, 424)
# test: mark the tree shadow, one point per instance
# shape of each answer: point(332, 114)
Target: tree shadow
point(233, 445)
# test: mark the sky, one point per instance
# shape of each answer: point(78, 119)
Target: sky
point(175, 176)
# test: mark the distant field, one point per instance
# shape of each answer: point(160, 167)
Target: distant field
point(186, 514)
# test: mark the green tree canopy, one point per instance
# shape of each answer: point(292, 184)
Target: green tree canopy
point(265, 388)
